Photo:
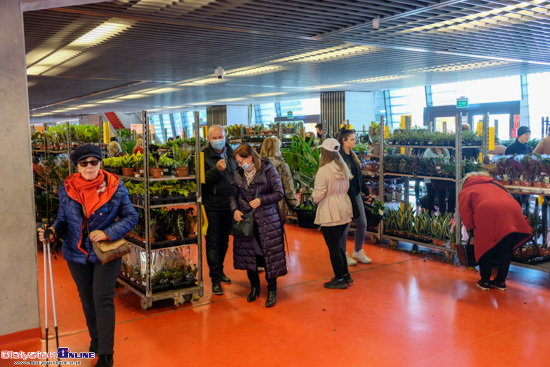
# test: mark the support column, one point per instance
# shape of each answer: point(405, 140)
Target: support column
point(338, 106)
point(19, 270)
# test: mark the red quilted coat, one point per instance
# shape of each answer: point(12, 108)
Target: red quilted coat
point(486, 207)
point(266, 217)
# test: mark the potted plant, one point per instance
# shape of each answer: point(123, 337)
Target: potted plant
point(127, 162)
point(528, 167)
point(374, 213)
point(306, 212)
point(154, 169)
point(181, 160)
point(167, 164)
point(513, 169)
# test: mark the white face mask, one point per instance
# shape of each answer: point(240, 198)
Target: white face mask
point(246, 166)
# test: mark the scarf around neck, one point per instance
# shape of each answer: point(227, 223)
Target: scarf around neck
point(249, 175)
point(86, 192)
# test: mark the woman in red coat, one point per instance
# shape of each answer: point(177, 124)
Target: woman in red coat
point(497, 221)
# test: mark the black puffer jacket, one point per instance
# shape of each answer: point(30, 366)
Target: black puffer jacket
point(356, 184)
point(266, 217)
point(217, 189)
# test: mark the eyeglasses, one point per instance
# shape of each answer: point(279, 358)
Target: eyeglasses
point(83, 164)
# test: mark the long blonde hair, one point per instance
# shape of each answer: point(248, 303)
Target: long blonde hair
point(270, 147)
point(328, 156)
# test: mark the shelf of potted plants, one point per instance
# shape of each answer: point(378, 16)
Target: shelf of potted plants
point(168, 224)
point(440, 168)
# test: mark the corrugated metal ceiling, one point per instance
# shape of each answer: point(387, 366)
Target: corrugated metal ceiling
point(291, 48)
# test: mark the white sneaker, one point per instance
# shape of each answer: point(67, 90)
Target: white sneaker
point(361, 256)
point(350, 260)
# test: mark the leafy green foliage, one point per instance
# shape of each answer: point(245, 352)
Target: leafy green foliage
point(303, 161)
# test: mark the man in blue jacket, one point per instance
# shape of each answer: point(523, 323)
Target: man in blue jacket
point(219, 167)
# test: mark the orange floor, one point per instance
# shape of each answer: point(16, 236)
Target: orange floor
point(402, 310)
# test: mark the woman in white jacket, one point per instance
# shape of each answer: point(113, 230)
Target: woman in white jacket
point(334, 211)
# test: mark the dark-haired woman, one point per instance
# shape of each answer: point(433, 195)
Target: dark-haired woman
point(257, 187)
point(99, 198)
point(347, 141)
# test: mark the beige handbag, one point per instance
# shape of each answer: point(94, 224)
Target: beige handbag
point(107, 251)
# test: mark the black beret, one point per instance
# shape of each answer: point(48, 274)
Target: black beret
point(85, 151)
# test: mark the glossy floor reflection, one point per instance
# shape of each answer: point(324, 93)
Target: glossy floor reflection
point(402, 310)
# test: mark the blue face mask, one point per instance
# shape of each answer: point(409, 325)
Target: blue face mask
point(218, 144)
point(246, 166)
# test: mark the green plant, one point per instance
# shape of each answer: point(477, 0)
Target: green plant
point(303, 162)
point(441, 227)
point(181, 156)
point(127, 161)
point(166, 162)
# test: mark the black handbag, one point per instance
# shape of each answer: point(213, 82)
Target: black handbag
point(245, 228)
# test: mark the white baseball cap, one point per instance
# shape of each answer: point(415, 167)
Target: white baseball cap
point(330, 144)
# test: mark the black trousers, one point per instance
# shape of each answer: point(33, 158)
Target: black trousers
point(96, 287)
point(254, 276)
point(333, 236)
point(217, 241)
point(503, 254)
point(442, 199)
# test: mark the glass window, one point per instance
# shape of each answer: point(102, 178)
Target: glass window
point(408, 101)
point(537, 87)
point(478, 91)
point(178, 124)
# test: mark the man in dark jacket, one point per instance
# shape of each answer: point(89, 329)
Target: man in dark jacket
point(520, 146)
point(219, 168)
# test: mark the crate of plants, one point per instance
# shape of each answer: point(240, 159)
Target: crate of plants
point(173, 227)
point(175, 267)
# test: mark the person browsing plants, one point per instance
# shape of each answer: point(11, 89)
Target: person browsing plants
point(257, 190)
point(357, 186)
point(334, 212)
point(489, 212)
point(93, 206)
point(219, 168)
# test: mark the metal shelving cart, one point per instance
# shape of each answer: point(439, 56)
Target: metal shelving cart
point(449, 253)
point(187, 250)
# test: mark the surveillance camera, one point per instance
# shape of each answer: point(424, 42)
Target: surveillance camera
point(219, 72)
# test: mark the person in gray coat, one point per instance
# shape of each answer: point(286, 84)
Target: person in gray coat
point(271, 149)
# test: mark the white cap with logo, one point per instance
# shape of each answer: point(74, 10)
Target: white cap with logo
point(330, 144)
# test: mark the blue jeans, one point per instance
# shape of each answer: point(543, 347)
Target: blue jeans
point(360, 227)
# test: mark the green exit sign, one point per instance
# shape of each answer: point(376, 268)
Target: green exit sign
point(462, 102)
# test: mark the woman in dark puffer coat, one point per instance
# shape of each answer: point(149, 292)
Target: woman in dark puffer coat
point(266, 247)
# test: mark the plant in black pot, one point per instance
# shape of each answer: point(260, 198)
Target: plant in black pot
point(306, 212)
point(375, 213)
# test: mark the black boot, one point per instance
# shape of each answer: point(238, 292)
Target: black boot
point(254, 293)
point(94, 345)
point(271, 298)
point(104, 360)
